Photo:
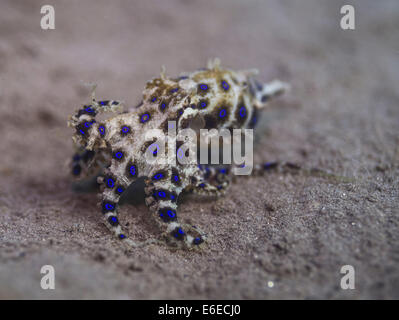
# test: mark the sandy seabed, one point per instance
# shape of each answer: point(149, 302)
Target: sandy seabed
point(342, 115)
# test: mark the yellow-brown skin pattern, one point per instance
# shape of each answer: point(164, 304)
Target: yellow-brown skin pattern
point(214, 98)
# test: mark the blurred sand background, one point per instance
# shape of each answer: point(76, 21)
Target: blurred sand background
point(342, 115)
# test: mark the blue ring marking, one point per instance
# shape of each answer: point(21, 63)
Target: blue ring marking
point(121, 236)
point(223, 170)
point(167, 214)
point(113, 221)
point(158, 176)
point(109, 206)
point(110, 183)
point(163, 106)
point(145, 117)
point(119, 155)
point(172, 197)
point(176, 178)
point(82, 132)
point(171, 214)
point(88, 124)
point(154, 99)
point(203, 86)
point(174, 90)
point(125, 129)
point(178, 233)
point(225, 85)
point(203, 104)
point(222, 113)
point(198, 240)
point(162, 194)
point(89, 110)
point(132, 170)
point(120, 189)
point(101, 130)
point(202, 185)
point(103, 103)
point(243, 112)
